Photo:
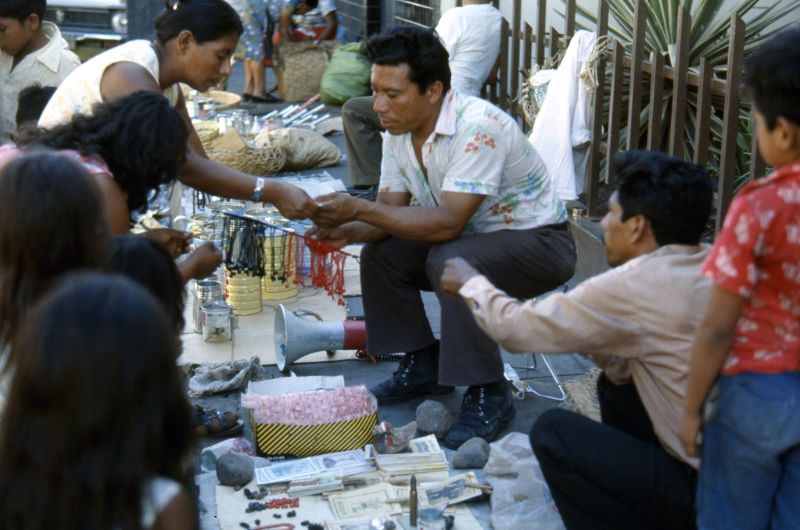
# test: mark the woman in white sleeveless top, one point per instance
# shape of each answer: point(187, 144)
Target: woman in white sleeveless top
point(194, 44)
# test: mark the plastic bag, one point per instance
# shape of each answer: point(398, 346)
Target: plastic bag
point(346, 76)
point(521, 498)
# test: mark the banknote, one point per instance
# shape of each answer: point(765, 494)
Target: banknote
point(362, 502)
point(426, 444)
point(451, 491)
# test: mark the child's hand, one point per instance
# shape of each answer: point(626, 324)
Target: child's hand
point(203, 261)
point(690, 433)
point(175, 241)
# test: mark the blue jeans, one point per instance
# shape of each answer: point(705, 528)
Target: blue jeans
point(750, 469)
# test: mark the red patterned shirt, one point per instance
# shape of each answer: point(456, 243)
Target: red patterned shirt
point(93, 165)
point(757, 256)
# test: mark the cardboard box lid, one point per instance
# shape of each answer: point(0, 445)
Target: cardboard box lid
point(291, 385)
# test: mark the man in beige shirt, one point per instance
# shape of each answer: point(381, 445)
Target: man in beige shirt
point(637, 321)
point(32, 52)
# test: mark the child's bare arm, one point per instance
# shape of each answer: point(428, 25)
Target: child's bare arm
point(709, 350)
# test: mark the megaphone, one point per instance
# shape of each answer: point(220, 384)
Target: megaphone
point(296, 337)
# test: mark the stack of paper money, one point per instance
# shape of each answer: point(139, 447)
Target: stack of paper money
point(427, 461)
point(426, 444)
point(335, 465)
point(314, 486)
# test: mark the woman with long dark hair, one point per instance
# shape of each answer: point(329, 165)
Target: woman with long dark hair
point(96, 432)
point(194, 44)
point(150, 266)
point(51, 222)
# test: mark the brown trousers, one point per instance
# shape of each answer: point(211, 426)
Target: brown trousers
point(523, 263)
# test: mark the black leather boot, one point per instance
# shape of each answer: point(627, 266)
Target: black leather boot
point(485, 410)
point(416, 376)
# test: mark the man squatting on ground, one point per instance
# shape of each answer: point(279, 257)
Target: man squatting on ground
point(637, 321)
point(458, 178)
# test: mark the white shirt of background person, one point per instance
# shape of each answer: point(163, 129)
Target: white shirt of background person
point(471, 35)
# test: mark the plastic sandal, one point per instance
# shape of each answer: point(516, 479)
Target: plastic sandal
point(214, 423)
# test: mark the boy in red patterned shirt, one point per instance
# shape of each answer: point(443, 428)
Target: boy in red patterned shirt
point(750, 467)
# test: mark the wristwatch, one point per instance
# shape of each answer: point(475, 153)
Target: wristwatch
point(257, 190)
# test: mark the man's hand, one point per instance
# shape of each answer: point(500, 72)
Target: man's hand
point(291, 201)
point(456, 273)
point(175, 241)
point(336, 237)
point(690, 430)
point(335, 209)
point(202, 261)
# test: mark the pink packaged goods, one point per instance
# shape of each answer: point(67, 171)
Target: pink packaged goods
point(313, 407)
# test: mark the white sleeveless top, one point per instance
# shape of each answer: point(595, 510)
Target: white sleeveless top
point(80, 91)
point(157, 493)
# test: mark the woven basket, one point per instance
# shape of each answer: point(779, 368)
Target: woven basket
point(217, 99)
point(299, 67)
point(207, 131)
point(266, 159)
point(305, 149)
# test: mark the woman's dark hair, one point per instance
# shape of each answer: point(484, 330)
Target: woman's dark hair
point(150, 265)
point(672, 194)
point(51, 221)
point(95, 409)
point(22, 9)
point(419, 48)
point(141, 138)
point(772, 76)
point(208, 20)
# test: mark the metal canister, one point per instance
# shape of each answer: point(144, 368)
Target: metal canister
point(205, 292)
point(218, 321)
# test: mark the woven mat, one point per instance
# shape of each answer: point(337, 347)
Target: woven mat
point(582, 395)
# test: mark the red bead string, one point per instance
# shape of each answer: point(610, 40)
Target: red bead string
point(289, 260)
point(327, 268)
point(327, 262)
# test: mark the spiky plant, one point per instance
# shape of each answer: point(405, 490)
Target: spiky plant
point(708, 39)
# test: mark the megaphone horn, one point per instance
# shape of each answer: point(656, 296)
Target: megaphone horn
point(296, 337)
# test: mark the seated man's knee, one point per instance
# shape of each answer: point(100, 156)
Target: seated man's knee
point(355, 108)
point(348, 110)
point(382, 252)
point(434, 264)
point(546, 432)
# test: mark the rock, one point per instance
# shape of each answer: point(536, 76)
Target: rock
point(433, 418)
point(234, 469)
point(473, 454)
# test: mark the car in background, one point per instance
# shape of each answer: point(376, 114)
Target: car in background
point(96, 23)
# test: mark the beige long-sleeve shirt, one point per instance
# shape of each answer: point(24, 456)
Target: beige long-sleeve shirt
point(637, 321)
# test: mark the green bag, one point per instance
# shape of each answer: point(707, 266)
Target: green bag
point(346, 76)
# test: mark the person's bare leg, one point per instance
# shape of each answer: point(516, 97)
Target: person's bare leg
point(248, 78)
point(257, 78)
